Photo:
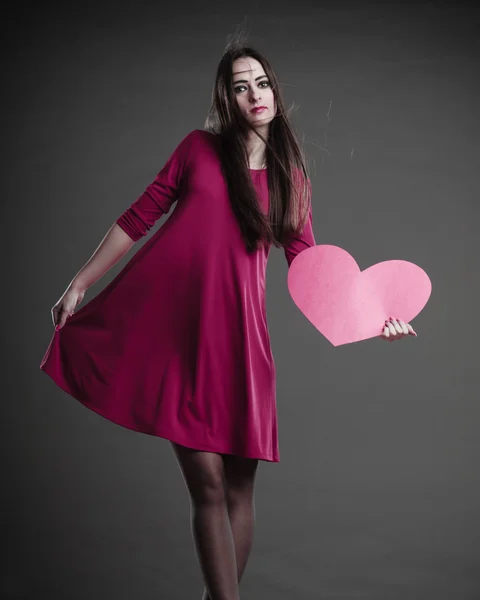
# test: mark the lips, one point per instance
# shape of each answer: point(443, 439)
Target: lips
point(258, 109)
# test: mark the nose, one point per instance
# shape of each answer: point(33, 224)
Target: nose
point(255, 96)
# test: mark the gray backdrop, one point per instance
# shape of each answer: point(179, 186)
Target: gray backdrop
point(377, 494)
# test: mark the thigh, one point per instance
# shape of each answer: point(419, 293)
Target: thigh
point(203, 473)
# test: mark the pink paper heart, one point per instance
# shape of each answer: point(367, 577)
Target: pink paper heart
point(349, 305)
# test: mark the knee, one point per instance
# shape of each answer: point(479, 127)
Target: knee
point(203, 473)
point(239, 496)
point(210, 492)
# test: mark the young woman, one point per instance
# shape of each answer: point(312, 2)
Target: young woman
point(177, 345)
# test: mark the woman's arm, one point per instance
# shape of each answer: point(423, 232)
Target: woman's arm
point(304, 240)
point(132, 224)
point(141, 215)
point(114, 245)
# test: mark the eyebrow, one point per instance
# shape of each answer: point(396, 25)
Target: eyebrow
point(245, 81)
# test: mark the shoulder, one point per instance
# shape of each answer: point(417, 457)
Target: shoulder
point(299, 177)
point(202, 133)
point(192, 140)
point(203, 141)
point(207, 136)
point(199, 135)
point(196, 148)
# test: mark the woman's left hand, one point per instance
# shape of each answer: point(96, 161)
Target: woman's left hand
point(396, 329)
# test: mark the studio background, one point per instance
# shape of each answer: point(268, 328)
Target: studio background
point(377, 494)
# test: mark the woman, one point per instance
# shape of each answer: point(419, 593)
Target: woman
point(177, 345)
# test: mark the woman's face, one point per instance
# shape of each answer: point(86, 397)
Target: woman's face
point(252, 89)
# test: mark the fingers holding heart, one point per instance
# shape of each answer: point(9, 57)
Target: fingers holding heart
point(406, 328)
point(400, 326)
point(396, 329)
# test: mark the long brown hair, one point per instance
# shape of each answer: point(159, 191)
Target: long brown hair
point(288, 182)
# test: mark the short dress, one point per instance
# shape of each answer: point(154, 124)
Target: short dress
point(177, 344)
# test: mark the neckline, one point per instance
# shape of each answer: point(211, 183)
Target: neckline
point(256, 170)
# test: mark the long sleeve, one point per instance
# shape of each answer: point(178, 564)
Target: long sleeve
point(304, 240)
point(159, 195)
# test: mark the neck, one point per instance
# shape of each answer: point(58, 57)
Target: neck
point(256, 150)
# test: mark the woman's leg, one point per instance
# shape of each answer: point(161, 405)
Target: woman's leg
point(204, 476)
point(240, 479)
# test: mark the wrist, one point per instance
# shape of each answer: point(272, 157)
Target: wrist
point(78, 285)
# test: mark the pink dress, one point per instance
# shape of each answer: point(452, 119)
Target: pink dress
point(177, 344)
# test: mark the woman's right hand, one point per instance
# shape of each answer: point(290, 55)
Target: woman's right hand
point(65, 307)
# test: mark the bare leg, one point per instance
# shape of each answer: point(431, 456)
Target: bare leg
point(204, 476)
point(240, 477)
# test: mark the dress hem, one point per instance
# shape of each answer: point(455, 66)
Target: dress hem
point(220, 448)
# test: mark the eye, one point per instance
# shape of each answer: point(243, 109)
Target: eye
point(263, 81)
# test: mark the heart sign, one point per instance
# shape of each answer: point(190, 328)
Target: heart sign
point(349, 305)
